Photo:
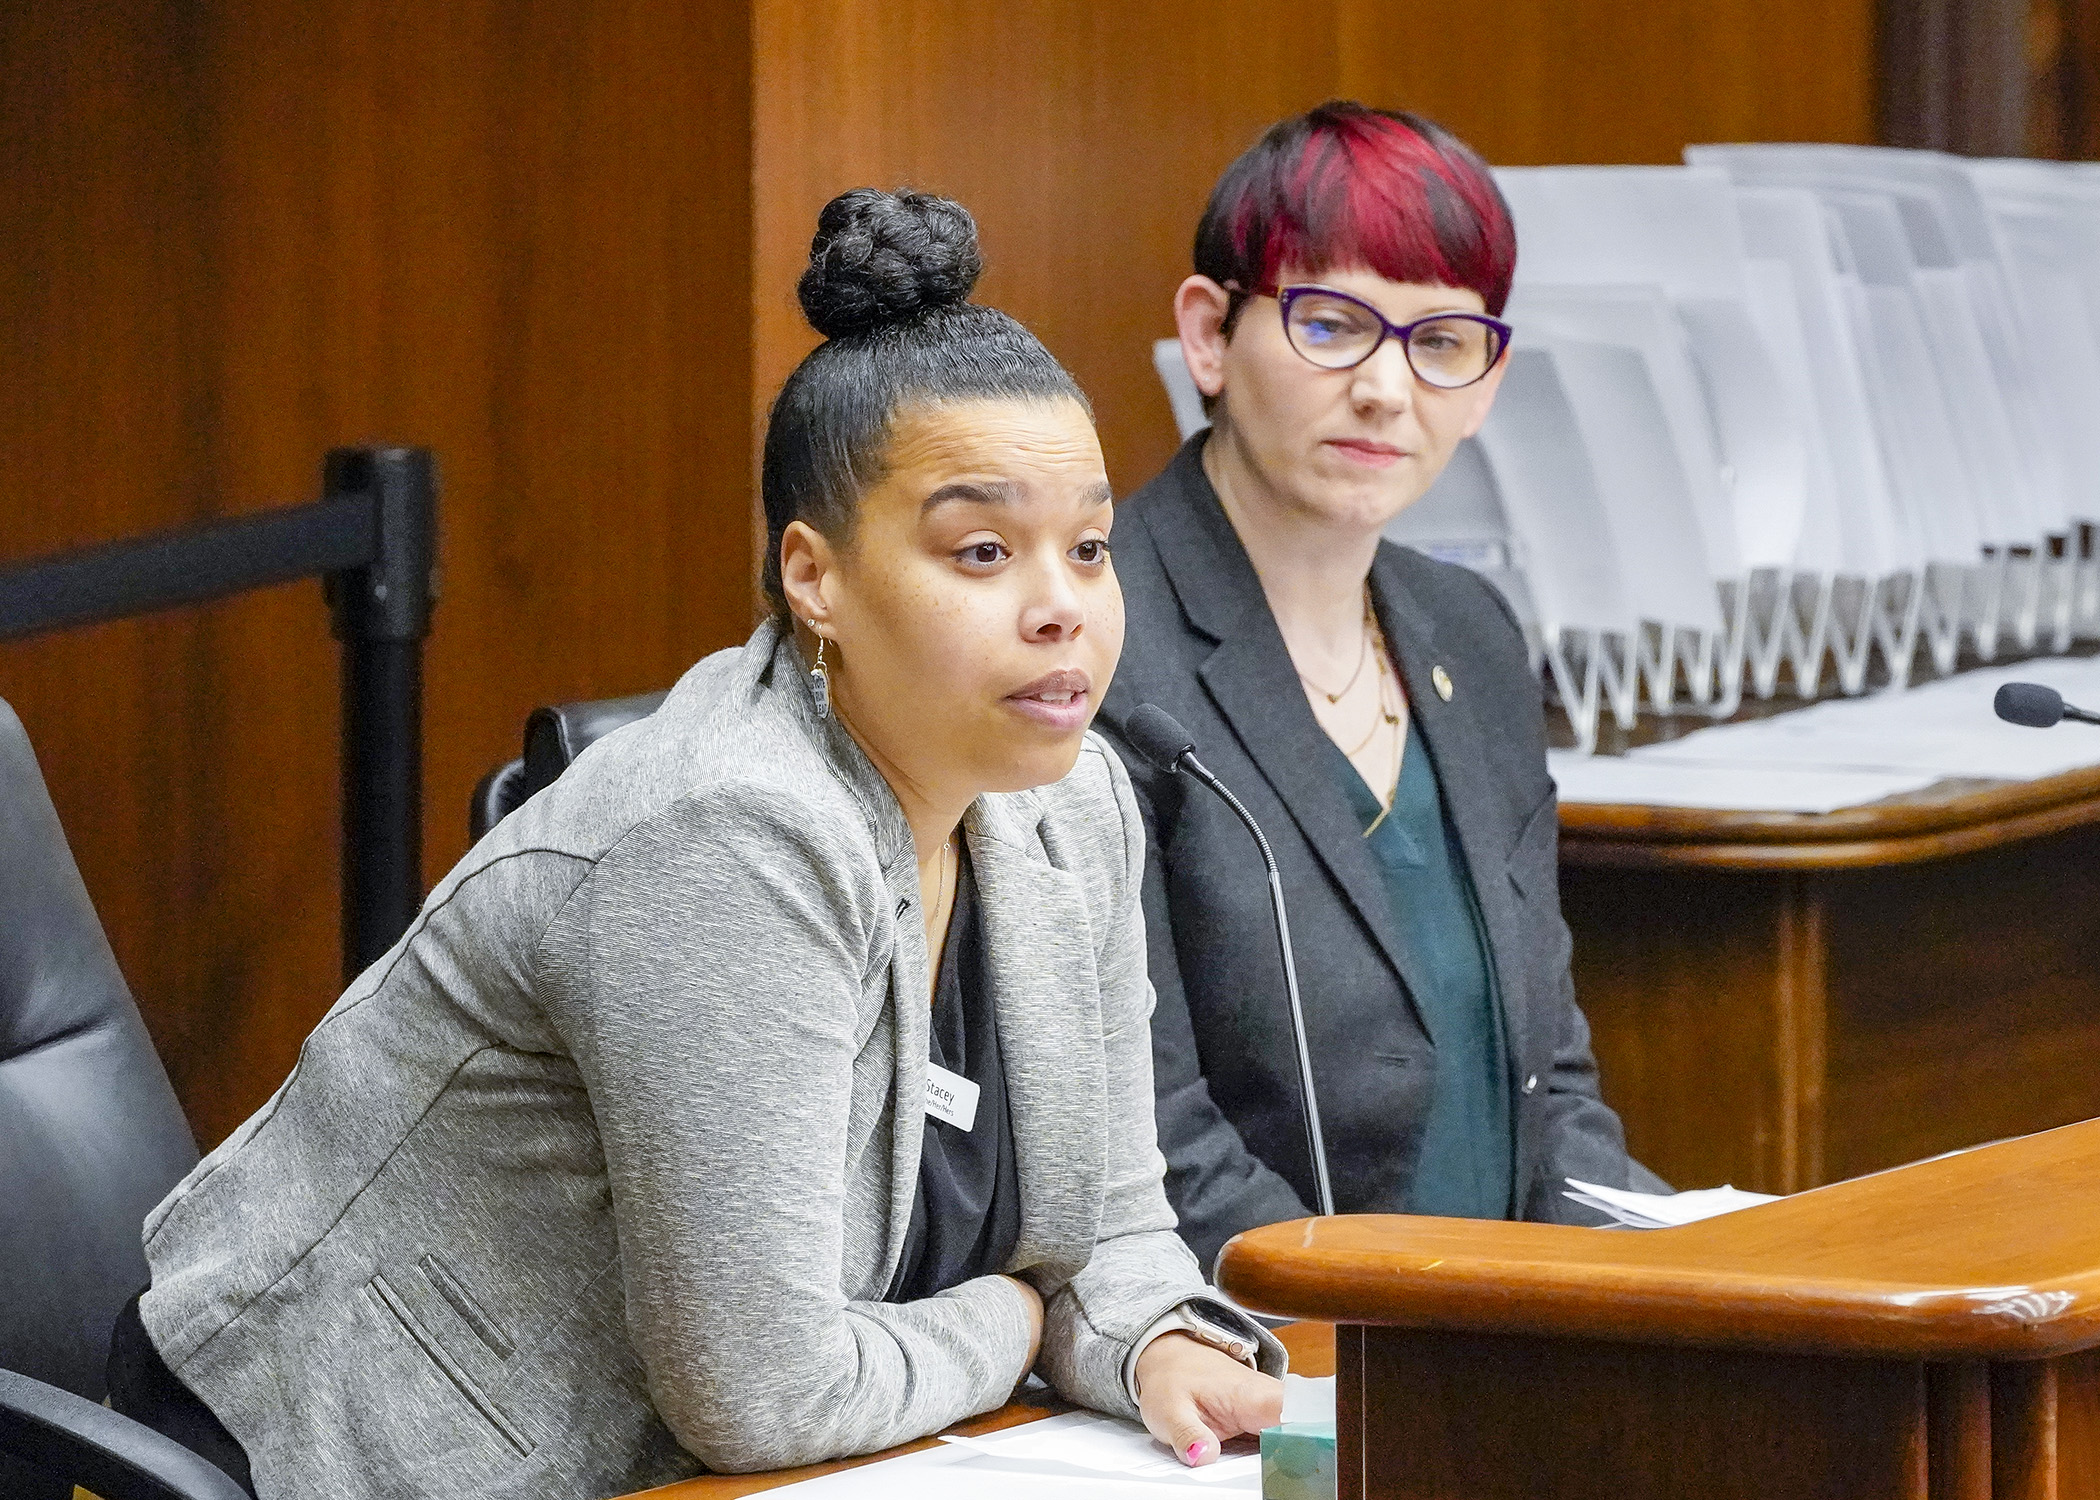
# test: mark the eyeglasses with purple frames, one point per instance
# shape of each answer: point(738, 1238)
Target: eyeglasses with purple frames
point(1335, 331)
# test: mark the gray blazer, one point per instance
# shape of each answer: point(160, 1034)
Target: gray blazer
point(600, 1173)
point(1202, 644)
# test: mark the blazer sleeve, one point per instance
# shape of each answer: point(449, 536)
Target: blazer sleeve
point(1217, 1185)
point(712, 1001)
point(1582, 1134)
point(1584, 1137)
point(1140, 1269)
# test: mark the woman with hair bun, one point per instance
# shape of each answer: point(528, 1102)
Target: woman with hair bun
point(1375, 708)
point(776, 1085)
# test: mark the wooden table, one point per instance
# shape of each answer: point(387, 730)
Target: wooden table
point(1312, 1353)
point(1931, 1333)
point(1781, 1000)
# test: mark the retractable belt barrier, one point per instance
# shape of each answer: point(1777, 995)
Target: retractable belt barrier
point(372, 540)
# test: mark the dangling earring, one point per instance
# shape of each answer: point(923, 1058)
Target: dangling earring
point(819, 678)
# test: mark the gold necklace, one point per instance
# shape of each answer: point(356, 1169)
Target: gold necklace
point(1362, 655)
point(1387, 714)
point(1392, 796)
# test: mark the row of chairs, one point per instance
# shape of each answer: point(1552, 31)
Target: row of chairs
point(91, 1136)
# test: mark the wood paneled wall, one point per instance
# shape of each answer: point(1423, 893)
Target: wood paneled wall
point(514, 230)
point(556, 240)
point(1085, 135)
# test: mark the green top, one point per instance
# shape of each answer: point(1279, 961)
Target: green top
point(1464, 1170)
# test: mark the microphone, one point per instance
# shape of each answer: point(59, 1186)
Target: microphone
point(1154, 734)
point(2037, 707)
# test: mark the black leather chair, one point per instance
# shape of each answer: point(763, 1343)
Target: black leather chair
point(54, 1432)
point(553, 738)
point(90, 1139)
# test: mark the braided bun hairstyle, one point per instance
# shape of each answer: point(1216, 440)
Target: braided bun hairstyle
point(888, 285)
point(882, 258)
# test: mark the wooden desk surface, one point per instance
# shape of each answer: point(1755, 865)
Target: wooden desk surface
point(1993, 1253)
point(1312, 1353)
point(1950, 817)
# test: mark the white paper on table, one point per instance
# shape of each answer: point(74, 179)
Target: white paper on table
point(1724, 787)
point(1031, 1465)
point(1104, 1445)
point(1945, 728)
point(1664, 1210)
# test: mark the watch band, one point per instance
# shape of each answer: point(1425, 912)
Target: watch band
point(1188, 1318)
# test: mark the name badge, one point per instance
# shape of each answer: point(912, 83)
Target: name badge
point(950, 1097)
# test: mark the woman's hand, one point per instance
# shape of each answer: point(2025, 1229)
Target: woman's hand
point(1033, 1301)
point(1194, 1397)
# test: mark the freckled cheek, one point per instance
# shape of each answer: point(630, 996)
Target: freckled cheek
point(952, 639)
point(1104, 623)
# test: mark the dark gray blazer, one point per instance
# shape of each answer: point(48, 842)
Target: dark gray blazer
point(1202, 644)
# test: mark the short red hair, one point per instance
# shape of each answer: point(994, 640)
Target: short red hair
point(1344, 185)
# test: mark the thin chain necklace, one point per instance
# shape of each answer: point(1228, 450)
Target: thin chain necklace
point(1387, 716)
point(1363, 655)
point(940, 890)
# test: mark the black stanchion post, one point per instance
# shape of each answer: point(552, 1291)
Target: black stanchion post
point(381, 614)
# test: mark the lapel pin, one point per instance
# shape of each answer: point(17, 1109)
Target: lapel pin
point(1442, 680)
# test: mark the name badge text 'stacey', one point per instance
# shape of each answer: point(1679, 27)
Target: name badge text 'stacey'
point(950, 1097)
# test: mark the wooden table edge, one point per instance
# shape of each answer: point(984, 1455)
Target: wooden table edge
point(1895, 832)
point(1680, 1318)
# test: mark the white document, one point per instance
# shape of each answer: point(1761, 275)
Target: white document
point(1865, 534)
point(1664, 1210)
point(1945, 729)
point(1542, 476)
point(1103, 1445)
point(1733, 787)
point(1077, 1456)
point(1641, 319)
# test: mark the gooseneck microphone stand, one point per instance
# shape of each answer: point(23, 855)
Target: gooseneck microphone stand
point(1161, 740)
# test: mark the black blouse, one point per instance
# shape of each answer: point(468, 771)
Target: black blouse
point(966, 1214)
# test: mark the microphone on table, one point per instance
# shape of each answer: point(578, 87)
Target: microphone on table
point(2036, 706)
point(1154, 734)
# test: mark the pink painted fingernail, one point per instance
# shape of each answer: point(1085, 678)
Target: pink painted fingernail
point(1196, 1450)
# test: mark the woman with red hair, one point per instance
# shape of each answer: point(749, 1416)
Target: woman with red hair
point(1375, 709)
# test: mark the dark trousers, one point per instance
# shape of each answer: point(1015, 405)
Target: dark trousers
point(143, 1388)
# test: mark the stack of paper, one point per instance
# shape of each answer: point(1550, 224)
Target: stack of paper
point(1663, 1210)
point(1850, 751)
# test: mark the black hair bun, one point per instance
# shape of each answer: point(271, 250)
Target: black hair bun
point(884, 258)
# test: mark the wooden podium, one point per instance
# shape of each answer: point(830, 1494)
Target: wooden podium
point(1931, 1332)
point(1781, 1000)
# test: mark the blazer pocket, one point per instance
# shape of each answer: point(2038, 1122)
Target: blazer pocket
point(469, 1388)
point(447, 1284)
point(1532, 858)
